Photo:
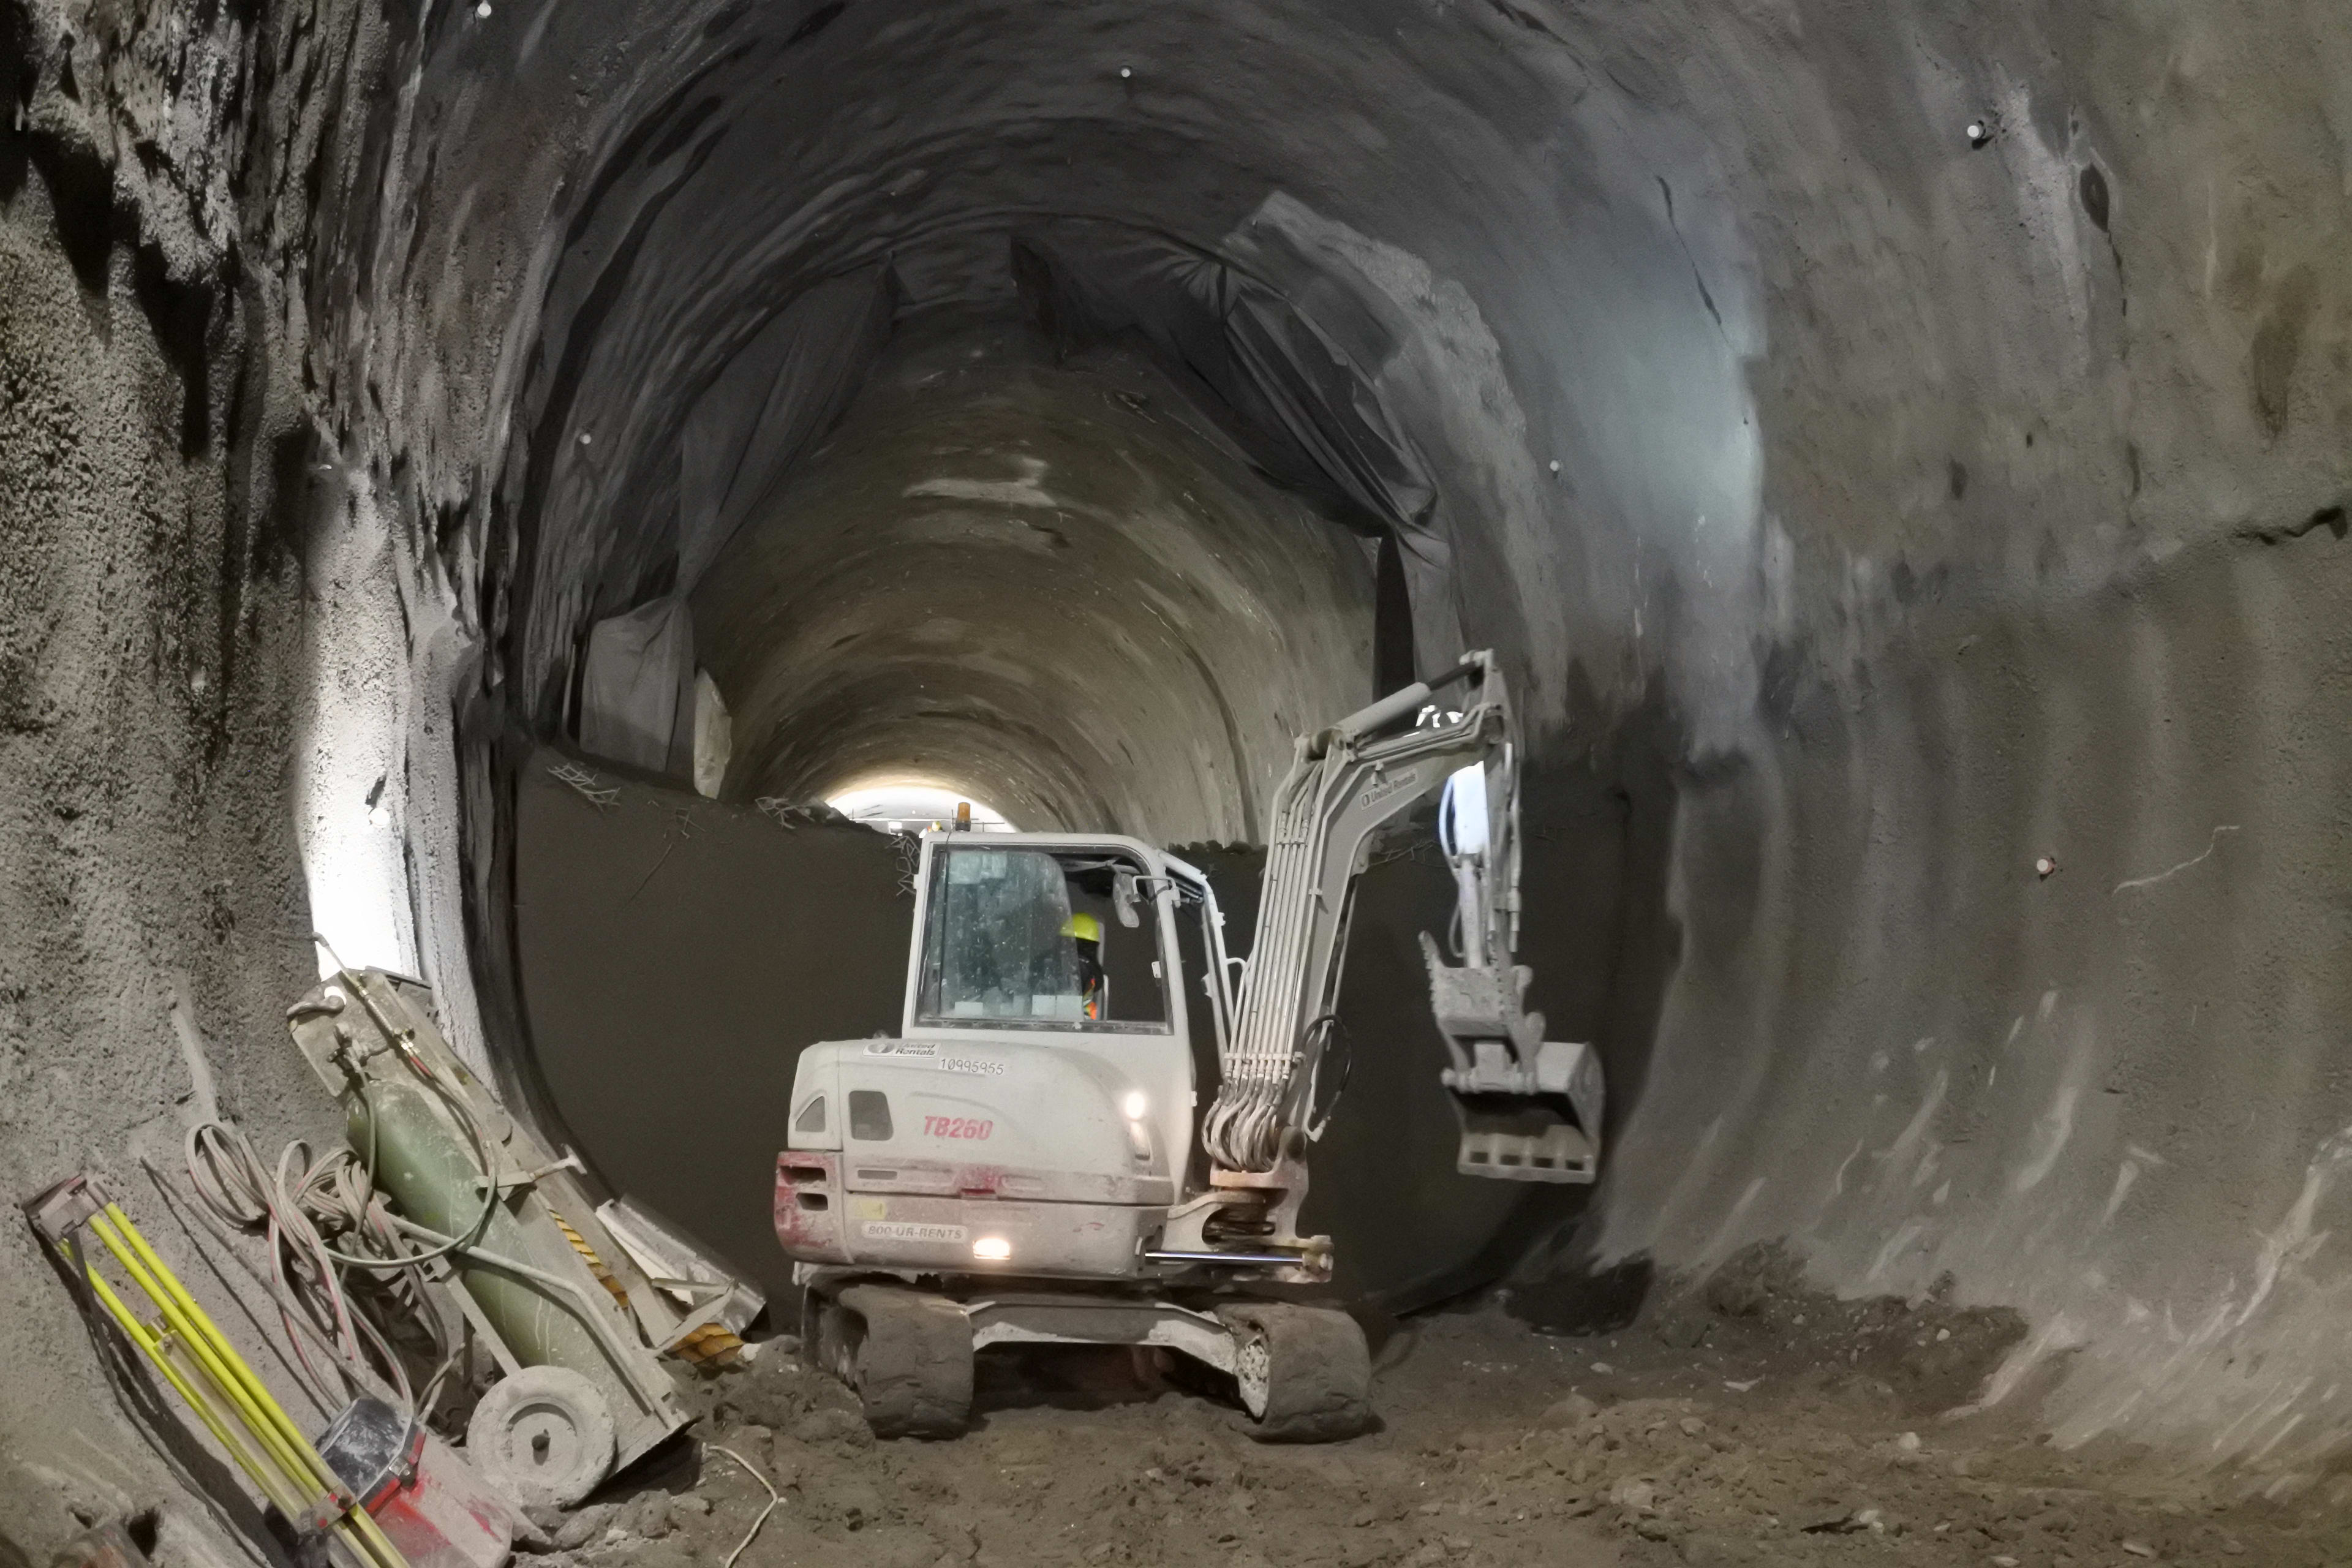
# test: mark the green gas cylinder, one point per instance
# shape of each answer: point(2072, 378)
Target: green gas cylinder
point(426, 1162)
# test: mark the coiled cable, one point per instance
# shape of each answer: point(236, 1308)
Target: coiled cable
point(323, 1216)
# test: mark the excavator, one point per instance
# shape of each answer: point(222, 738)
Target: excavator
point(1025, 1161)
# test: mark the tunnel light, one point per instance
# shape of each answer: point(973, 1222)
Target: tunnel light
point(1134, 1105)
point(991, 1249)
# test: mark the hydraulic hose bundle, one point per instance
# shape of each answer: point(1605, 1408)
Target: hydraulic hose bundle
point(351, 1323)
point(305, 1205)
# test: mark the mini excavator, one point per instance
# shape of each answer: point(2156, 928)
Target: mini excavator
point(1025, 1162)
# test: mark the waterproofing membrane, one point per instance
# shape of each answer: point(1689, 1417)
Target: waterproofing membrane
point(779, 393)
point(1281, 384)
point(638, 684)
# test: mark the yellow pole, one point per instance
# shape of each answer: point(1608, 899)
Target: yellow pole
point(206, 1354)
point(272, 1484)
point(305, 1463)
point(263, 1413)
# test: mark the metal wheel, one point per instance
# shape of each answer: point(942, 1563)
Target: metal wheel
point(1303, 1372)
point(543, 1434)
point(908, 1356)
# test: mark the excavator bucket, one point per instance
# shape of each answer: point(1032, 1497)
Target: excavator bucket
point(1529, 1108)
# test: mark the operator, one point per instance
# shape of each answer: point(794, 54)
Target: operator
point(1085, 933)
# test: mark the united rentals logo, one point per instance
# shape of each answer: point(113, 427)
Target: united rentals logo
point(971, 1067)
point(1389, 785)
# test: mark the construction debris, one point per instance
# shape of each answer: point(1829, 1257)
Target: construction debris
point(712, 1306)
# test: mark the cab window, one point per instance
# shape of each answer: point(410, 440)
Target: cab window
point(1029, 938)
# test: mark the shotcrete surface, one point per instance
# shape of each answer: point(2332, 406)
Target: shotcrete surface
point(152, 909)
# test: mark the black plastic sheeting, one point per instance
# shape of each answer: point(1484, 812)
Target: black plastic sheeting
point(1279, 381)
point(637, 688)
point(776, 397)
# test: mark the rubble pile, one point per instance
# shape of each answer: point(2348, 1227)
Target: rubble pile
point(1741, 1420)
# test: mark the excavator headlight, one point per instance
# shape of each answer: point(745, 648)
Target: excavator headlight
point(991, 1249)
point(1134, 1105)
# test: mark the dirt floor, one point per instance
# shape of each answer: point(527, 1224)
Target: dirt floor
point(1741, 1422)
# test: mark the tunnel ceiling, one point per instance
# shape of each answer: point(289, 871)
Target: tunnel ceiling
point(1044, 583)
point(751, 193)
point(1896, 449)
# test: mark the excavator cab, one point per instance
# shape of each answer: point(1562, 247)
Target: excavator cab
point(1054, 937)
point(1034, 1113)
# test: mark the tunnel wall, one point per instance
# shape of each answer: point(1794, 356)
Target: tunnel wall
point(153, 568)
point(229, 641)
point(2115, 1096)
point(1831, 390)
point(2045, 563)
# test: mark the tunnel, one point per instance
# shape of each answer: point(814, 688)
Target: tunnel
point(478, 480)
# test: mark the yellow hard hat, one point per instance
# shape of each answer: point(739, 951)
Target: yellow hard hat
point(1086, 928)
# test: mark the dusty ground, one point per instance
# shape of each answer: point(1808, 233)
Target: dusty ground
point(1742, 1422)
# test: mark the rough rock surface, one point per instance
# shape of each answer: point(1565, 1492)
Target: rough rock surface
point(152, 913)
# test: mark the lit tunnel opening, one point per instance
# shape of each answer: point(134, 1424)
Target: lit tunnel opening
point(912, 805)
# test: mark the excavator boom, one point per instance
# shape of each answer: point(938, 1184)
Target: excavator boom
point(1531, 1108)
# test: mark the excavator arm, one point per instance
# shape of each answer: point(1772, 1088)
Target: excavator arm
point(1530, 1110)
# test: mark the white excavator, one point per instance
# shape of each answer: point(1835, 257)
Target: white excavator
point(1025, 1161)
